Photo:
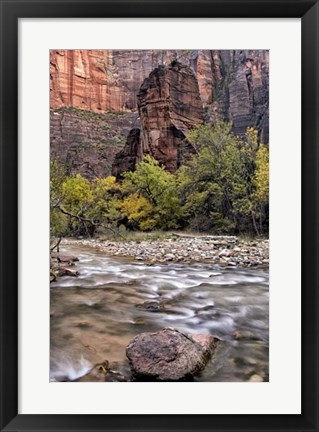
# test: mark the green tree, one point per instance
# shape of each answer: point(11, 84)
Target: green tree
point(80, 206)
point(261, 185)
point(159, 187)
point(106, 193)
point(77, 194)
point(58, 221)
point(216, 185)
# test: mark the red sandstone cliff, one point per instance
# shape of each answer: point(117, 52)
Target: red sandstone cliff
point(231, 85)
point(87, 143)
point(169, 106)
point(100, 80)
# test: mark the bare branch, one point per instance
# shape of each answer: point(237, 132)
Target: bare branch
point(56, 245)
point(84, 221)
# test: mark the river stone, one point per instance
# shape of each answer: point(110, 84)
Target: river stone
point(151, 306)
point(101, 372)
point(67, 258)
point(63, 271)
point(169, 355)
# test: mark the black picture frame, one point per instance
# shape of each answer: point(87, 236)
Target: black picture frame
point(11, 11)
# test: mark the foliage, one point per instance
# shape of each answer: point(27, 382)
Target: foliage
point(140, 211)
point(261, 185)
point(77, 193)
point(218, 182)
point(222, 188)
point(105, 199)
point(58, 221)
point(159, 188)
point(57, 177)
point(261, 176)
point(79, 206)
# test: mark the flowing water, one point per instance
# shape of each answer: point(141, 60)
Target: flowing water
point(94, 316)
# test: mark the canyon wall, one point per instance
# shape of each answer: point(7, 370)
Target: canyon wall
point(101, 80)
point(87, 143)
point(231, 85)
point(241, 90)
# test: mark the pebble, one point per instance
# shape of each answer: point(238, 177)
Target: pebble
point(187, 249)
point(169, 257)
point(255, 378)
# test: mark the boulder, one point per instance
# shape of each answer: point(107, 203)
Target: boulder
point(67, 258)
point(52, 276)
point(169, 355)
point(63, 271)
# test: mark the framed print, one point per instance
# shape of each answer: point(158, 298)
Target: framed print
point(159, 215)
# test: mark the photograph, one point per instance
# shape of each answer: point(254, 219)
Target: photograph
point(159, 215)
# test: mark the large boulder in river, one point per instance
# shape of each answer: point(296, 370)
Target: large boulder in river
point(169, 355)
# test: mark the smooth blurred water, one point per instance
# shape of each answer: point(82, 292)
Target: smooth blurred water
point(94, 316)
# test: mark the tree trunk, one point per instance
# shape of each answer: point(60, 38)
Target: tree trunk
point(254, 223)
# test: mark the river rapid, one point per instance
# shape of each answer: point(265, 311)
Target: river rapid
point(94, 316)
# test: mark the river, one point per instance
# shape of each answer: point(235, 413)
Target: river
point(94, 316)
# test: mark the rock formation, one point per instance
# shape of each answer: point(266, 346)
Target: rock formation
point(169, 355)
point(241, 90)
point(130, 155)
point(101, 80)
point(85, 142)
point(169, 106)
point(231, 85)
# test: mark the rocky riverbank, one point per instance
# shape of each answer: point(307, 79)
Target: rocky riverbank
point(224, 250)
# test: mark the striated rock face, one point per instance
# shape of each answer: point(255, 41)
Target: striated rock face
point(101, 80)
point(171, 97)
point(241, 90)
point(169, 106)
point(129, 156)
point(233, 84)
point(85, 142)
point(169, 355)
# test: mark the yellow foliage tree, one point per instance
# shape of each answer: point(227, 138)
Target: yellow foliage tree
point(261, 185)
point(261, 178)
point(139, 210)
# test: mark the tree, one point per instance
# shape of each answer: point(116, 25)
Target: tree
point(79, 206)
point(223, 187)
point(106, 198)
point(159, 188)
point(261, 184)
point(58, 221)
point(89, 204)
point(139, 211)
point(217, 185)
